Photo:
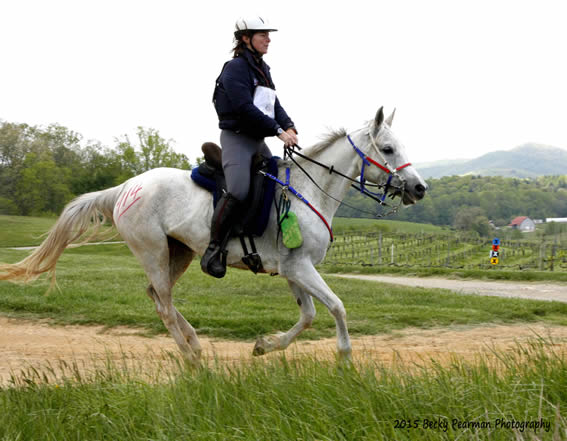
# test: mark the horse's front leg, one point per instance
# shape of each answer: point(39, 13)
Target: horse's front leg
point(311, 281)
point(282, 340)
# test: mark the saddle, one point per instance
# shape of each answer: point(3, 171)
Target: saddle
point(257, 206)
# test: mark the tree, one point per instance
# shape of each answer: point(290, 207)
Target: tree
point(472, 219)
point(41, 169)
point(42, 187)
point(153, 151)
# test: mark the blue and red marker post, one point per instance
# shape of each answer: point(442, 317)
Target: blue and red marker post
point(495, 252)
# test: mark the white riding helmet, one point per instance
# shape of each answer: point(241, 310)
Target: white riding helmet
point(254, 23)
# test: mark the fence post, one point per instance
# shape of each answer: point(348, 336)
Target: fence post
point(392, 259)
point(553, 251)
point(380, 249)
point(541, 254)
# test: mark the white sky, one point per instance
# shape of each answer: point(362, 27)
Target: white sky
point(466, 77)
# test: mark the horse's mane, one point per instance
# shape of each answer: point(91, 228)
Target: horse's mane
point(326, 141)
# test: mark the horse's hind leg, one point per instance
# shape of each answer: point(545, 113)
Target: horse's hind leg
point(154, 256)
point(282, 340)
point(180, 256)
point(188, 331)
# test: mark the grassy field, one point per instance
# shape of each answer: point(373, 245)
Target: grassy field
point(493, 398)
point(26, 231)
point(23, 231)
point(450, 273)
point(343, 225)
point(305, 399)
point(424, 250)
point(105, 285)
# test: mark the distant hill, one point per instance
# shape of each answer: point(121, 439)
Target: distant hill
point(525, 161)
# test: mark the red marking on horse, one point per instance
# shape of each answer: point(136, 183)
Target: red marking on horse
point(131, 197)
point(126, 197)
point(120, 199)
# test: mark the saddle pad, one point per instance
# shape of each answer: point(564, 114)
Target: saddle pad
point(260, 221)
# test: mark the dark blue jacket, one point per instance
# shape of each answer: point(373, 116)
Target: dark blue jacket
point(233, 98)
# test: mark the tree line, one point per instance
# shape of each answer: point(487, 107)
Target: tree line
point(41, 169)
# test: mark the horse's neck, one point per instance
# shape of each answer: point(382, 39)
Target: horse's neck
point(342, 157)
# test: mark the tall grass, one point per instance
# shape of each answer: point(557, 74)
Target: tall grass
point(300, 399)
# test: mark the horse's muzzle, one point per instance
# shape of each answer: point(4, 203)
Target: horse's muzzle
point(412, 195)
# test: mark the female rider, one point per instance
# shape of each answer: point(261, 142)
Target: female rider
point(248, 111)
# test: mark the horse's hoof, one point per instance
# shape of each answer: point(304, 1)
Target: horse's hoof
point(258, 350)
point(344, 358)
point(192, 364)
point(262, 346)
point(265, 344)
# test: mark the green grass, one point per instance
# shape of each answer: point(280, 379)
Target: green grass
point(304, 399)
point(346, 225)
point(419, 249)
point(105, 285)
point(23, 231)
point(453, 273)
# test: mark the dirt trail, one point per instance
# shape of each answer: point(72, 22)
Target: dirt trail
point(26, 343)
point(526, 290)
point(30, 343)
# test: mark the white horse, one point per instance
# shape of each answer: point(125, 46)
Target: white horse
point(165, 218)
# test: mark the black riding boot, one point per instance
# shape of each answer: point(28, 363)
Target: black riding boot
point(213, 261)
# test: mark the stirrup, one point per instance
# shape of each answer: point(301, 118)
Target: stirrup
point(215, 256)
point(251, 260)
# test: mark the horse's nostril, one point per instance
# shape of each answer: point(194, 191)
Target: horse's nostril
point(420, 190)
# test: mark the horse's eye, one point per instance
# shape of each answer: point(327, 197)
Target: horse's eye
point(388, 150)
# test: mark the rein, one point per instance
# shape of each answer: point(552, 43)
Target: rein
point(285, 187)
point(366, 161)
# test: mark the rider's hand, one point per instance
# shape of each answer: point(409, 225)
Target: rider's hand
point(293, 134)
point(288, 137)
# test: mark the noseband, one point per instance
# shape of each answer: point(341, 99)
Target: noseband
point(367, 161)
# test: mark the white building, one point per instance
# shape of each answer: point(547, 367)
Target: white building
point(559, 220)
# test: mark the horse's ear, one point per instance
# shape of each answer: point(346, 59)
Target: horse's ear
point(390, 119)
point(379, 119)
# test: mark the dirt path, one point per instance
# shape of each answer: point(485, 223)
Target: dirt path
point(526, 290)
point(31, 343)
point(34, 343)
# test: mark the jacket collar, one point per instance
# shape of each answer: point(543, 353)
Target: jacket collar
point(260, 67)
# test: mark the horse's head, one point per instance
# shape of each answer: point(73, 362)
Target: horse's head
point(389, 162)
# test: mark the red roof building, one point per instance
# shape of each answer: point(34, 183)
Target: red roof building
point(523, 223)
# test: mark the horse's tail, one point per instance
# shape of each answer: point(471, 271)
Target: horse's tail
point(82, 213)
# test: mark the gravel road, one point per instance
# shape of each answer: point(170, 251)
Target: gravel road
point(525, 290)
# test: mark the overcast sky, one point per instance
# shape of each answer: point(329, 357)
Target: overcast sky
point(466, 77)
